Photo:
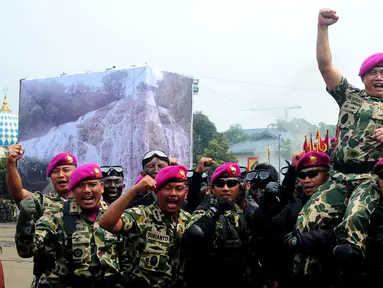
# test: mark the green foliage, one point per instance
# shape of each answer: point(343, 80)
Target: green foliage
point(301, 126)
point(203, 132)
point(3, 185)
point(218, 149)
point(235, 134)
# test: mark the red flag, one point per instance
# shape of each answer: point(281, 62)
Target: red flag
point(326, 139)
point(317, 137)
point(311, 142)
point(326, 143)
point(305, 145)
point(337, 133)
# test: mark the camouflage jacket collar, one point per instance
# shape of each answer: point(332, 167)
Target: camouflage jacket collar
point(75, 209)
point(235, 210)
point(161, 217)
point(55, 196)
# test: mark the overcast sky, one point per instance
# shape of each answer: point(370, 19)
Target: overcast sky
point(247, 54)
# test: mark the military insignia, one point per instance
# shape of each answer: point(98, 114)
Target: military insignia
point(77, 253)
point(313, 159)
point(96, 172)
point(182, 173)
point(153, 260)
point(68, 159)
point(232, 170)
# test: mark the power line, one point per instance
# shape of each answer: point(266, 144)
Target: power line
point(231, 99)
point(256, 83)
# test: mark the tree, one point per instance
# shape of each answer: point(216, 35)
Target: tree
point(235, 134)
point(218, 149)
point(302, 126)
point(3, 185)
point(203, 132)
point(286, 149)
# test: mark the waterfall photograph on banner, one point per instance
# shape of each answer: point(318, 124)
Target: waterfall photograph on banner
point(110, 117)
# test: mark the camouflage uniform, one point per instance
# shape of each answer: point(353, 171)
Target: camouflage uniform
point(94, 249)
point(347, 200)
point(154, 245)
point(51, 203)
point(53, 200)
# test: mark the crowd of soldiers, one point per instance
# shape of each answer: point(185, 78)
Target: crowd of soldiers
point(321, 227)
point(8, 210)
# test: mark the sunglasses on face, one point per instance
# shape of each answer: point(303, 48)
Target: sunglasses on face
point(109, 170)
point(258, 174)
point(311, 174)
point(154, 153)
point(220, 183)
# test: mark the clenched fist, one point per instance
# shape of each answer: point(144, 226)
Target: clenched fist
point(15, 152)
point(146, 184)
point(327, 17)
point(296, 156)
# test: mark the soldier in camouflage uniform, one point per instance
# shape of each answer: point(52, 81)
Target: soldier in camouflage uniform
point(350, 196)
point(217, 239)
point(154, 232)
point(83, 257)
point(59, 171)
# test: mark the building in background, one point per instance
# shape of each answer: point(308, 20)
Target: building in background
point(270, 146)
point(9, 127)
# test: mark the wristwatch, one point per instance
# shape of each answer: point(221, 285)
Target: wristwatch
point(293, 241)
point(213, 211)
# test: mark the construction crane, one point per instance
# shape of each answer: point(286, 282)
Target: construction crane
point(286, 109)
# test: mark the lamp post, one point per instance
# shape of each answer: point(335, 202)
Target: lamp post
point(279, 158)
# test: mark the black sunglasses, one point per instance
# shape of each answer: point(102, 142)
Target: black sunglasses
point(220, 183)
point(311, 174)
point(258, 174)
point(110, 170)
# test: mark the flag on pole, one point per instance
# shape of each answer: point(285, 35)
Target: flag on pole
point(268, 153)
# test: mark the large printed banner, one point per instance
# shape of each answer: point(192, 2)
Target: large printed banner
point(109, 117)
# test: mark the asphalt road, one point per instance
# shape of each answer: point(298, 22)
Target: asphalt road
point(17, 271)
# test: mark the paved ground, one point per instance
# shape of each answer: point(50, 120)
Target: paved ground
point(17, 271)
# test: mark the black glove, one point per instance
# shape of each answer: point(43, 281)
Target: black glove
point(272, 188)
point(220, 207)
point(224, 205)
point(271, 193)
point(292, 239)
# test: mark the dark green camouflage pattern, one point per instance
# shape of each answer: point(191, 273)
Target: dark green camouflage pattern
point(346, 205)
point(360, 114)
point(154, 244)
point(346, 201)
point(94, 249)
point(52, 203)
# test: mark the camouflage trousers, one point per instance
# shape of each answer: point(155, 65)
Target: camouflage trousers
point(346, 205)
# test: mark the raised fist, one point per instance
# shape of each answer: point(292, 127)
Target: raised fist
point(327, 17)
point(146, 184)
point(296, 156)
point(15, 152)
